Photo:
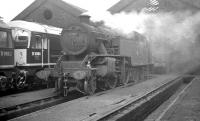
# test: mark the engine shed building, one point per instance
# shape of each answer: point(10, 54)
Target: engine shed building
point(155, 6)
point(51, 12)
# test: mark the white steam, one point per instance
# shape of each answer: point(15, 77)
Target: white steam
point(174, 39)
point(122, 22)
point(173, 36)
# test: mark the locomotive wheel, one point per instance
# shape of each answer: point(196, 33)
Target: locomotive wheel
point(111, 82)
point(3, 82)
point(90, 86)
point(21, 80)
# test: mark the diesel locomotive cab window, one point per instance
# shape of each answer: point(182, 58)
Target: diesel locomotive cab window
point(36, 42)
point(21, 38)
point(45, 43)
point(21, 41)
point(10, 41)
point(3, 39)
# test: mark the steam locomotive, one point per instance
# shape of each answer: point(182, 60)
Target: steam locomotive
point(27, 52)
point(94, 58)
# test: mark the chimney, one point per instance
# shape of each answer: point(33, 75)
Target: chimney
point(84, 18)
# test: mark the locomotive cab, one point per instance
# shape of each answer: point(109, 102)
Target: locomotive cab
point(6, 55)
point(30, 44)
point(34, 50)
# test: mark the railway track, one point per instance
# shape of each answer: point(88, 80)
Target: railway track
point(28, 107)
point(10, 112)
point(177, 96)
point(173, 104)
point(131, 110)
point(31, 106)
point(138, 109)
point(118, 103)
point(21, 109)
point(35, 87)
point(15, 91)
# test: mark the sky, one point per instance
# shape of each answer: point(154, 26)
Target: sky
point(11, 8)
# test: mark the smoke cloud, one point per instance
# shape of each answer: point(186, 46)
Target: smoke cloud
point(174, 36)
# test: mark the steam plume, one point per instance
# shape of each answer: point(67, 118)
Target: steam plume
point(174, 36)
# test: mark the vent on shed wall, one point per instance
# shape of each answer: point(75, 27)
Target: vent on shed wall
point(47, 14)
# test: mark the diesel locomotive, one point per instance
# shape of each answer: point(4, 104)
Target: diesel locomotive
point(94, 57)
point(6, 54)
point(28, 51)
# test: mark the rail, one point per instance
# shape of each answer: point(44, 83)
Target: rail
point(21, 109)
point(131, 103)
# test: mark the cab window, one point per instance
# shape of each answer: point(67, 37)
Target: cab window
point(36, 42)
point(21, 38)
point(39, 42)
point(10, 41)
point(6, 40)
point(3, 39)
point(45, 43)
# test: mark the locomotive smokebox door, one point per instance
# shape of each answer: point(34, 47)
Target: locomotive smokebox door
point(74, 42)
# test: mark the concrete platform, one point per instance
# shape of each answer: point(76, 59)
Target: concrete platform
point(186, 107)
point(21, 98)
point(92, 107)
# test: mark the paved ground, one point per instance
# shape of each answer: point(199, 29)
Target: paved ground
point(90, 108)
point(184, 107)
point(21, 98)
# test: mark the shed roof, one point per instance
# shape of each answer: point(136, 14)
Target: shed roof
point(76, 11)
point(164, 5)
point(120, 6)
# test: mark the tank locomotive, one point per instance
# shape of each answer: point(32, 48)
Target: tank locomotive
point(97, 58)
